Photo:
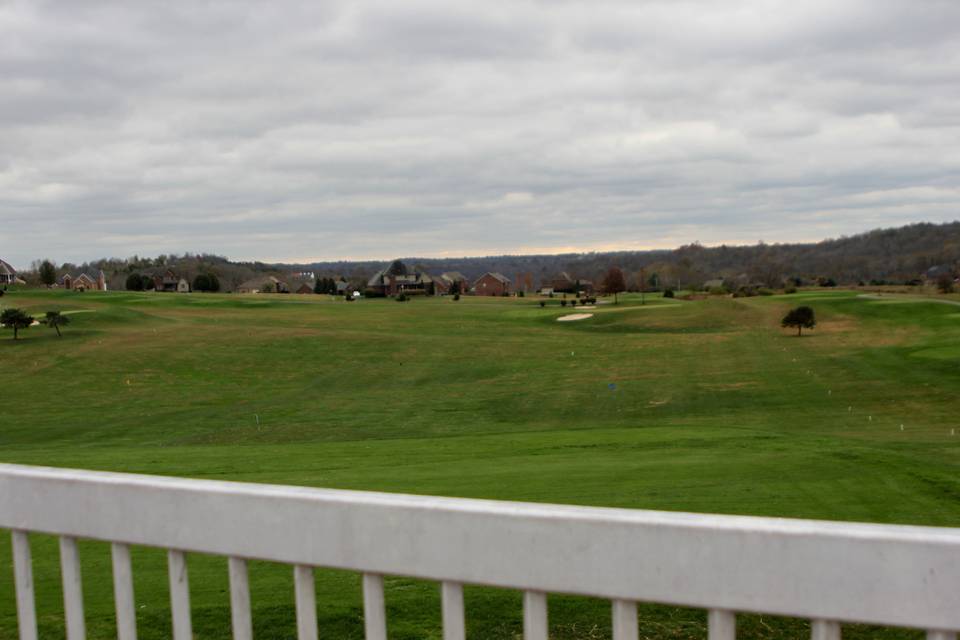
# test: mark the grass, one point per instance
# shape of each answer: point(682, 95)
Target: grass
point(701, 406)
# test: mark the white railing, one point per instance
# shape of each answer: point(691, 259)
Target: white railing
point(824, 571)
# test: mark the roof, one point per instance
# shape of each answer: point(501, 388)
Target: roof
point(452, 276)
point(6, 269)
point(498, 276)
point(382, 277)
point(257, 283)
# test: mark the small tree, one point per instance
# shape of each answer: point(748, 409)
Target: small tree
point(397, 268)
point(945, 283)
point(201, 282)
point(48, 273)
point(614, 282)
point(801, 318)
point(55, 320)
point(15, 319)
point(135, 282)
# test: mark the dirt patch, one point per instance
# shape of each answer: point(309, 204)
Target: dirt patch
point(574, 316)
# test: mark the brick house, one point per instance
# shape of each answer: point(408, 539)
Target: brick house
point(84, 282)
point(264, 284)
point(167, 281)
point(563, 283)
point(388, 284)
point(451, 279)
point(492, 284)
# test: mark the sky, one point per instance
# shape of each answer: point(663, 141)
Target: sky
point(297, 132)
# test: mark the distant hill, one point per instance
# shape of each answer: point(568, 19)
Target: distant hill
point(894, 255)
point(889, 255)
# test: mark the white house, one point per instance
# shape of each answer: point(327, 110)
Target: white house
point(8, 275)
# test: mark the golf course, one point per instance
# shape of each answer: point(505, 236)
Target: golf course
point(703, 405)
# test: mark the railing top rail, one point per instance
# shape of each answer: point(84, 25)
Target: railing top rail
point(884, 574)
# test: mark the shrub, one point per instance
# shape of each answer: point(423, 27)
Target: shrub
point(717, 291)
point(563, 303)
point(347, 297)
point(668, 293)
point(790, 289)
point(456, 297)
point(543, 303)
point(763, 291)
point(520, 294)
point(402, 297)
point(373, 293)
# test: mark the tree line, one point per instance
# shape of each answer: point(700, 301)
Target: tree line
point(883, 256)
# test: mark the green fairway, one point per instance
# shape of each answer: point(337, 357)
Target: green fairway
point(704, 406)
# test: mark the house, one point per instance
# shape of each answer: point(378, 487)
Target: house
point(492, 284)
point(83, 282)
point(305, 287)
point(264, 284)
point(8, 275)
point(343, 286)
point(389, 284)
point(563, 283)
point(166, 281)
point(452, 281)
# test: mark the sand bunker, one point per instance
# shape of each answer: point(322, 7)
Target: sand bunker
point(574, 316)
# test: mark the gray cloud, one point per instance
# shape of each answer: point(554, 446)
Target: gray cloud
point(303, 131)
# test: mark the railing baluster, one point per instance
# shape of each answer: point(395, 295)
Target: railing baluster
point(824, 630)
point(123, 592)
point(72, 589)
point(452, 606)
point(941, 635)
point(374, 609)
point(23, 577)
point(722, 625)
point(534, 615)
point(625, 620)
point(240, 600)
point(306, 594)
point(179, 595)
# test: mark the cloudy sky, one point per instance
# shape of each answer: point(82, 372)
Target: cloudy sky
point(321, 130)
